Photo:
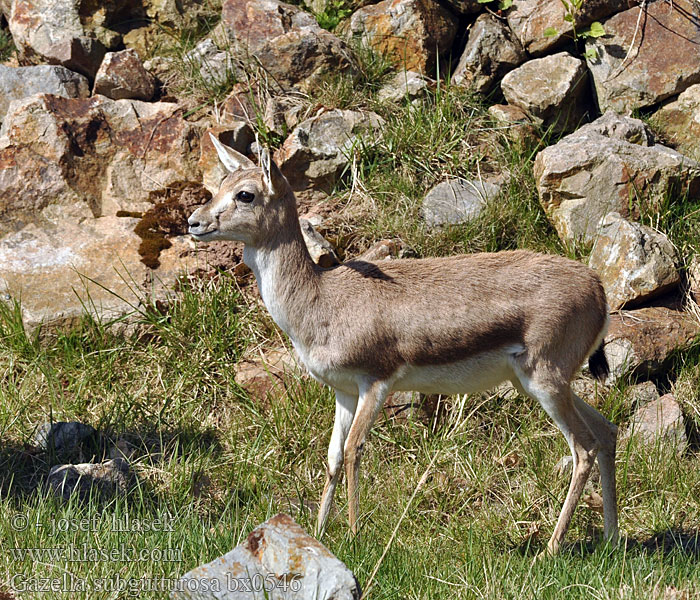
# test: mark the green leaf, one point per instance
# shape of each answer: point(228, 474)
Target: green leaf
point(590, 54)
point(550, 32)
point(595, 30)
point(505, 4)
point(483, 1)
point(569, 18)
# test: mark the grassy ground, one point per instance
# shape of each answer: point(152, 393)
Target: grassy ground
point(212, 462)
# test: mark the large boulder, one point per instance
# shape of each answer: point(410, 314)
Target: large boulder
point(19, 82)
point(553, 90)
point(285, 40)
point(610, 165)
point(413, 33)
point(278, 559)
point(91, 192)
point(319, 149)
point(678, 122)
point(635, 263)
point(648, 53)
point(491, 52)
point(529, 19)
point(122, 75)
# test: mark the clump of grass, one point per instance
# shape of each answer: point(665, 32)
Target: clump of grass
point(7, 45)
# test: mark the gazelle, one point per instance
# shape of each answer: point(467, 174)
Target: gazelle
point(443, 325)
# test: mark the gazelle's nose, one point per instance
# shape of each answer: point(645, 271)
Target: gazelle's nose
point(193, 221)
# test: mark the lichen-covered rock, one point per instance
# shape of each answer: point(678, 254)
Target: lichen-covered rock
point(640, 342)
point(639, 62)
point(413, 33)
point(634, 262)
point(19, 82)
point(122, 75)
point(286, 41)
point(457, 201)
point(283, 560)
point(215, 66)
point(678, 122)
point(553, 90)
point(491, 52)
point(609, 165)
point(318, 150)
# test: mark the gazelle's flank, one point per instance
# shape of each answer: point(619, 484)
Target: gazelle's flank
point(445, 325)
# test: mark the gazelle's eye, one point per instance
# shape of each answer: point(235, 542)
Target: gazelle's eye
point(244, 196)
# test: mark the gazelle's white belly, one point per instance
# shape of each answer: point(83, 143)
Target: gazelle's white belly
point(477, 373)
point(480, 372)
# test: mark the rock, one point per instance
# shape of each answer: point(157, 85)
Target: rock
point(647, 76)
point(19, 82)
point(263, 377)
point(238, 136)
point(122, 75)
point(241, 104)
point(642, 393)
point(93, 196)
point(491, 52)
point(634, 262)
point(322, 253)
point(553, 90)
point(413, 33)
point(86, 480)
point(464, 7)
point(215, 66)
point(278, 558)
point(64, 438)
point(97, 155)
point(659, 422)
point(609, 165)
point(285, 40)
point(51, 31)
point(283, 114)
point(639, 342)
point(382, 250)
point(514, 123)
point(319, 149)
point(694, 278)
point(457, 201)
point(678, 122)
point(405, 85)
point(530, 18)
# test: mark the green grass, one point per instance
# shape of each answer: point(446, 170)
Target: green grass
point(213, 463)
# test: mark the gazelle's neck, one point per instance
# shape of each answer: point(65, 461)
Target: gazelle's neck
point(287, 279)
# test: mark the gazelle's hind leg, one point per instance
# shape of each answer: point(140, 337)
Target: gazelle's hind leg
point(606, 433)
point(345, 406)
point(557, 399)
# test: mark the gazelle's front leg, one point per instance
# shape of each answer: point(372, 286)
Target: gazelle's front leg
point(345, 406)
point(372, 396)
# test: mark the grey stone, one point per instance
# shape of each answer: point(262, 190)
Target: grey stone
point(553, 90)
point(122, 75)
point(278, 559)
point(634, 262)
point(491, 52)
point(63, 437)
point(91, 479)
point(319, 149)
point(457, 201)
point(678, 122)
point(405, 85)
point(596, 170)
point(659, 422)
point(639, 62)
point(19, 82)
point(284, 113)
point(642, 393)
point(215, 66)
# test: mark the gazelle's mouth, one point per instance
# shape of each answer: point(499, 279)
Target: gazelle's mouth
point(201, 235)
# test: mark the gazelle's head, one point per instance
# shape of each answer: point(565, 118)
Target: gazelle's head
point(250, 204)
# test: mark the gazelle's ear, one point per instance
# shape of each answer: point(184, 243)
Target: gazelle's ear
point(231, 159)
point(275, 183)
